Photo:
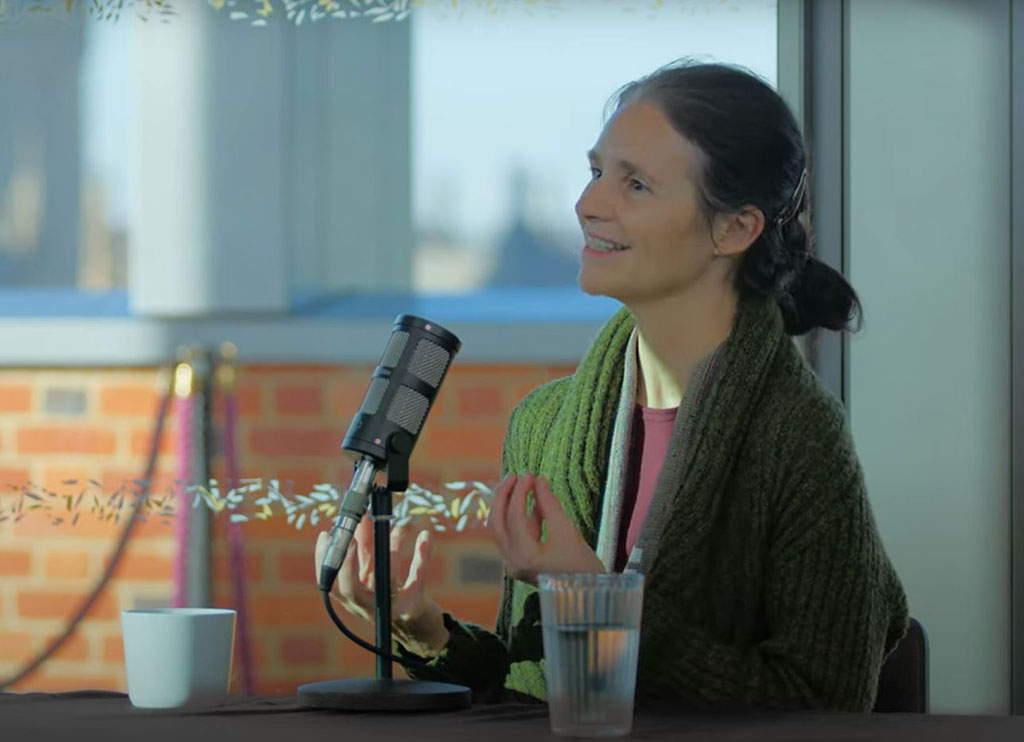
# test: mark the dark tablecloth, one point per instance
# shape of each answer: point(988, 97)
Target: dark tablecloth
point(88, 715)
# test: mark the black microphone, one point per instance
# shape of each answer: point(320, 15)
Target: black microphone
point(388, 423)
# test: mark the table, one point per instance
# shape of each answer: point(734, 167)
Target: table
point(101, 715)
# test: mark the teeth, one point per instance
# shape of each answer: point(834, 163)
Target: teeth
point(604, 245)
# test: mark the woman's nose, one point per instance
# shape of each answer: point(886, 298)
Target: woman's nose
point(592, 203)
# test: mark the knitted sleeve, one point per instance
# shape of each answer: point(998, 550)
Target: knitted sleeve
point(834, 606)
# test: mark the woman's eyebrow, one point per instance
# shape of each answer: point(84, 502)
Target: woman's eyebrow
point(626, 165)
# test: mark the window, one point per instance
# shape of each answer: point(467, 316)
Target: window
point(64, 171)
point(203, 167)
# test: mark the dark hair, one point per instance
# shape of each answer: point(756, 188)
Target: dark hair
point(753, 155)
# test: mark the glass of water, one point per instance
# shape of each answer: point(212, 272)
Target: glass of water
point(591, 630)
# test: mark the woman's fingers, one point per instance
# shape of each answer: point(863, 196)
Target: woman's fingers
point(318, 553)
point(422, 551)
point(363, 538)
point(548, 505)
point(523, 531)
point(349, 585)
point(401, 551)
point(499, 509)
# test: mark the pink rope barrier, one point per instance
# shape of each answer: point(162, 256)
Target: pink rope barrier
point(184, 409)
point(236, 546)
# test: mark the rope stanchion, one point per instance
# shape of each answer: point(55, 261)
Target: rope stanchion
point(226, 383)
point(184, 413)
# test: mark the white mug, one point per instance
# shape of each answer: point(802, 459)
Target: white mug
point(178, 657)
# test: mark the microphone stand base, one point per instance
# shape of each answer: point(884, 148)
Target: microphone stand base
point(371, 694)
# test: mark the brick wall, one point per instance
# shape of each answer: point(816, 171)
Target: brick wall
point(59, 429)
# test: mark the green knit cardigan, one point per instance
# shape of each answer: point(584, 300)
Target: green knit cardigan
point(770, 589)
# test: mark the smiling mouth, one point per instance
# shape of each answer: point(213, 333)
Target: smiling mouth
point(599, 245)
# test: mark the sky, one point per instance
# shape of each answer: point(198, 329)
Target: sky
point(528, 86)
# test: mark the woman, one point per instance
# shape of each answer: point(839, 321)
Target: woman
point(693, 443)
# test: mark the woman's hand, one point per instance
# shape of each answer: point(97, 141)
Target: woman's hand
point(518, 535)
point(415, 620)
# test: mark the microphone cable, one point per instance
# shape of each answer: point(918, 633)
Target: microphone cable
point(410, 661)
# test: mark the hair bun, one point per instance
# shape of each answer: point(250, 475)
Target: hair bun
point(818, 296)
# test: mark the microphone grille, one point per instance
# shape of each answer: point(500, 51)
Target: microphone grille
point(375, 393)
point(429, 362)
point(408, 409)
point(395, 348)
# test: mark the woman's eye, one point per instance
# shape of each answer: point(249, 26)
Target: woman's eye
point(636, 185)
point(595, 172)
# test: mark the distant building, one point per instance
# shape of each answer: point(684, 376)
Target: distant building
point(525, 257)
point(40, 60)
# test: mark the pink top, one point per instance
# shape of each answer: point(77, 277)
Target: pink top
point(652, 429)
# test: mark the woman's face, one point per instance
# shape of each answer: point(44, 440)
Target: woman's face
point(642, 195)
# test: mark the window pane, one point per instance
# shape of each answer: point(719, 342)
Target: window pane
point(64, 152)
point(506, 104)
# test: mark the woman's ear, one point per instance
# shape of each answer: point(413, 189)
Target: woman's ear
point(734, 232)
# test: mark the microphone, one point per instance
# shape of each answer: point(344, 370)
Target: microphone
point(388, 423)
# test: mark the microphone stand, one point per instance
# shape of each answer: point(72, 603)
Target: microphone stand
point(380, 503)
point(384, 693)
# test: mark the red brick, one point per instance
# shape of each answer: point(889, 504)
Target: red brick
point(346, 395)
point(464, 442)
point(15, 563)
point(15, 398)
point(480, 402)
point(113, 650)
point(141, 440)
point(557, 372)
point(129, 400)
point(89, 525)
point(147, 567)
point(67, 565)
point(355, 661)
point(253, 567)
point(285, 442)
point(445, 408)
point(69, 480)
point(33, 604)
point(53, 439)
point(519, 390)
point(296, 569)
point(303, 650)
point(299, 610)
point(15, 646)
point(248, 401)
point(74, 649)
point(12, 479)
point(299, 400)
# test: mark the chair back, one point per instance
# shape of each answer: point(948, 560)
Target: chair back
point(903, 682)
